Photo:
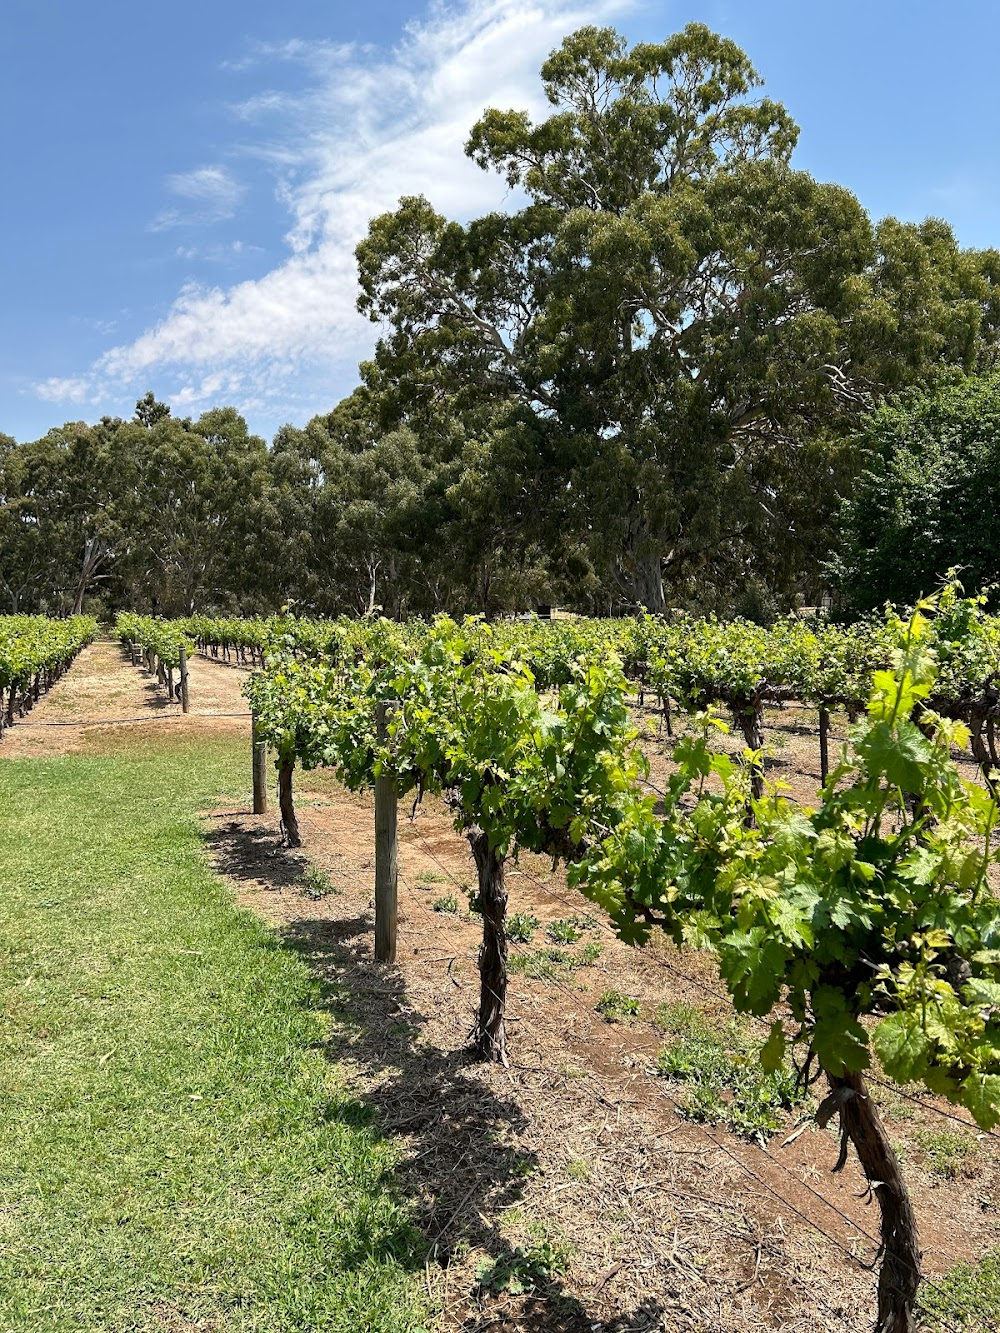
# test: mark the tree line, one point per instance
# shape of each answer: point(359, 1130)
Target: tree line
point(680, 372)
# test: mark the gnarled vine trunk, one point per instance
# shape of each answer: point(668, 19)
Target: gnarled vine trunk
point(289, 824)
point(899, 1276)
point(490, 1034)
point(749, 715)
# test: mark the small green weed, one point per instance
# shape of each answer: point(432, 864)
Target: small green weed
point(945, 1151)
point(678, 1016)
point(563, 930)
point(547, 963)
point(524, 1269)
point(725, 1082)
point(537, 964)
point(316, 883)
point(521, 927)
point(578, 1168)
point(428, 877)
point(447, 903)
point(617, 1008)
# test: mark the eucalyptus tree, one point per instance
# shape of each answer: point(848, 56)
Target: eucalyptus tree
point(667, 308)
point(194, 488)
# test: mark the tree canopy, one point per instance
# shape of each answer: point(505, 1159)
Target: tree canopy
point(926, 500)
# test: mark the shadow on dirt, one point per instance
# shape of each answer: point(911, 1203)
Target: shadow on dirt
point(460, 1165)
point(155, 695)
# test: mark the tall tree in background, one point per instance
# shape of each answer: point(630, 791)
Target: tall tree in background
point(668, 306)
point(196, 486)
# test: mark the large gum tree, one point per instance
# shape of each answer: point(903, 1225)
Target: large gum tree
point(665, 315)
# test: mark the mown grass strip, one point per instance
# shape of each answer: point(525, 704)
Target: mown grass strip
point(177, 1152)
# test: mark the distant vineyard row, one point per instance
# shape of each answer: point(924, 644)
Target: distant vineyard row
point(34, 652)
point(690, 661)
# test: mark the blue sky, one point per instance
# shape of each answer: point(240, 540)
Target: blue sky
point(184, 184)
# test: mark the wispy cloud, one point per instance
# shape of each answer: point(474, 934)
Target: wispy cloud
point(208, 195)
point(361, 128)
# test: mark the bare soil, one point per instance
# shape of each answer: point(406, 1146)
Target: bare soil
point(102, 691)
point(578, 1153)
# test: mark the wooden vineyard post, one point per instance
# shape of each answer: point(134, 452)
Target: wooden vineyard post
point(824, 753)
point(183, 670)
point(386, 855)
point(259, 768)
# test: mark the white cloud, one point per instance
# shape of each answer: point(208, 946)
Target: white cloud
point(363, 128)
point(69, 389)
point(209, 194)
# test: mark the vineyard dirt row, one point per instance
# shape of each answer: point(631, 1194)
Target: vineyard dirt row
point(576, 1154)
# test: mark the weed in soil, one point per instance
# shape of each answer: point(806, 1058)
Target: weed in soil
point(719, 1066)
point(947, 1153)
point(524, 1269)
point(521, 927)
point(615, 1007)
point(563, 931)
point(316, 883)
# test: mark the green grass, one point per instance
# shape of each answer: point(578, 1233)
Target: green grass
point(945, 1152)
point(178, 1152)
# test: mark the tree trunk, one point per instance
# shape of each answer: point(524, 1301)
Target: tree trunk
point(372, 587)
point(289, 824)
point(94, 552)
point(649, 585)
point(490, 1035)
point(899, 1276)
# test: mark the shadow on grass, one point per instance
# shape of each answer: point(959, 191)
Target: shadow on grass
point(458, 1168)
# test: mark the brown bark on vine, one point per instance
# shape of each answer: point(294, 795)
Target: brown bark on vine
point(749, 715)
point(899, 1276)
point(490, 1033)
point(289, 824)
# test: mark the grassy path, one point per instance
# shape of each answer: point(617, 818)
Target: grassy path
point(175, 1151)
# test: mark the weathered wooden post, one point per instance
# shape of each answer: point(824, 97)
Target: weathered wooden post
point(259, 768)
point(386, 855)
point(824, 753)
point(185, 700)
